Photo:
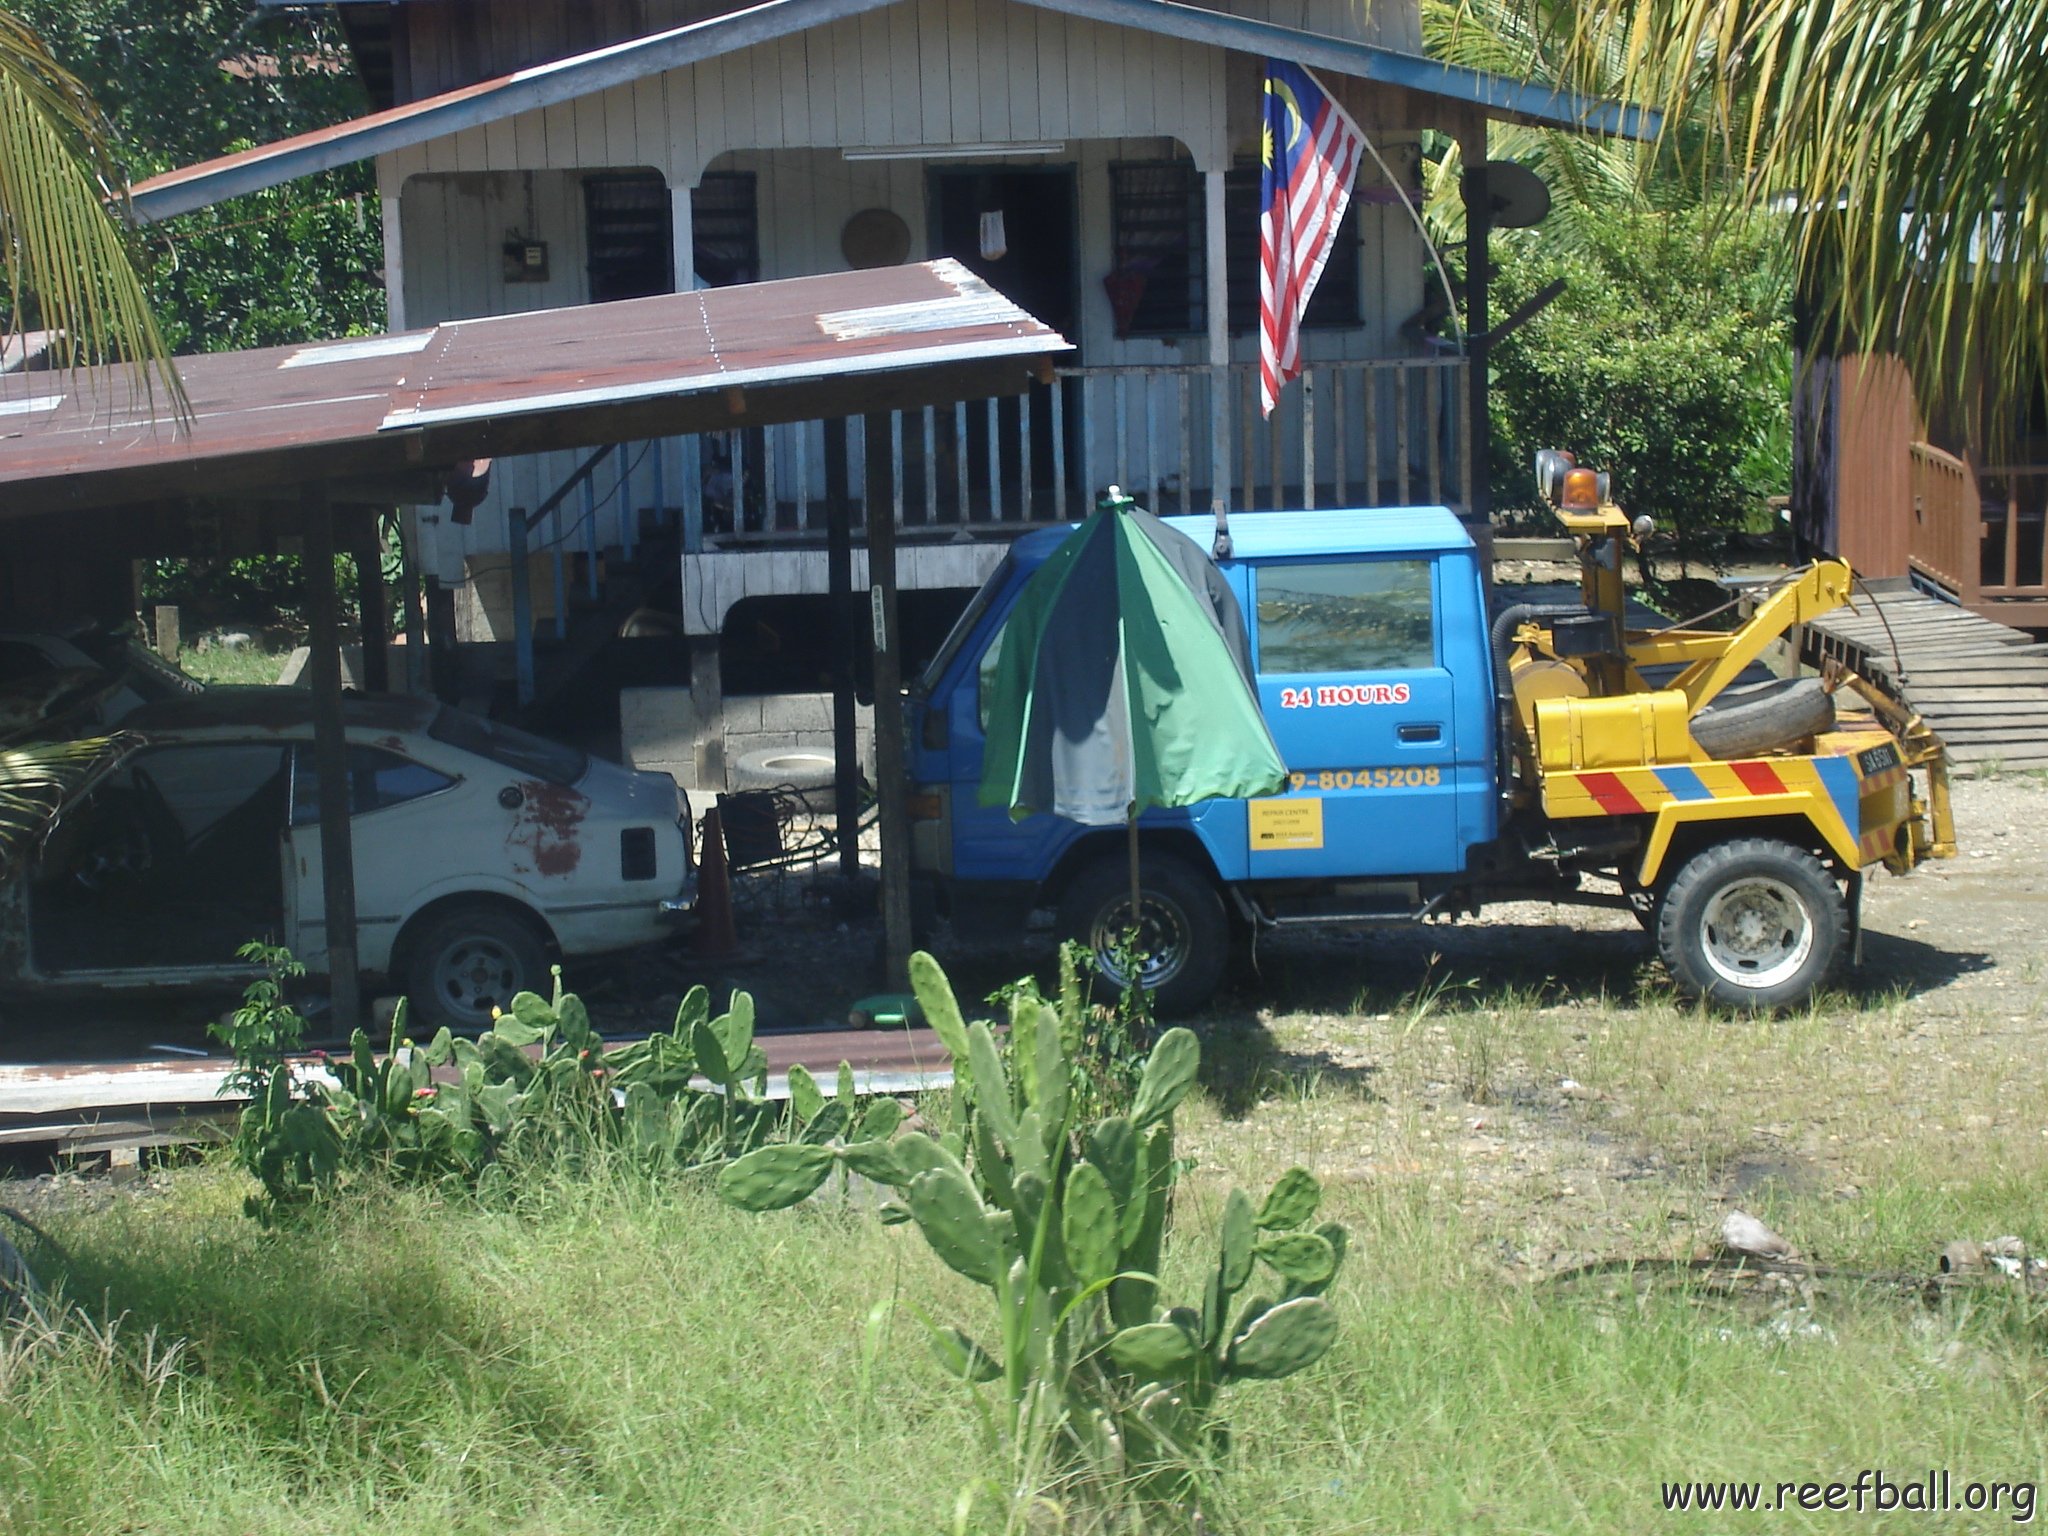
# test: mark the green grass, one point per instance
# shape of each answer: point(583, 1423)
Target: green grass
point(617, 1354)
point(245, 664)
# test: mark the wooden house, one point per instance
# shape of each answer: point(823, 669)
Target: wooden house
point(1095, 160)
point(1906, 493)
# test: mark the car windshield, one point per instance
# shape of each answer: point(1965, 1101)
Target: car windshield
point(956, 637)
point(515, 749)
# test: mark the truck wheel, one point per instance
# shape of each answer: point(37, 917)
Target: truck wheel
point(1752, 923)
point(1185, 932)
point(467, 961)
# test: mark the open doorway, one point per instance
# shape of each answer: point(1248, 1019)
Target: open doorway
point(1038, 267)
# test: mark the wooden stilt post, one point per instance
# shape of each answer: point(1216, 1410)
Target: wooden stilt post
point(891, 792)
point(839, 583)
point(330, 758)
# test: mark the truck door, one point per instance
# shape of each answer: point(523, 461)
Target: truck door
point(1352, 681)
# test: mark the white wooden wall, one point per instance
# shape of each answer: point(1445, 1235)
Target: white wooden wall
point(920, 72)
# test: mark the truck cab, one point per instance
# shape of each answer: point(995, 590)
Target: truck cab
point(1368, 640)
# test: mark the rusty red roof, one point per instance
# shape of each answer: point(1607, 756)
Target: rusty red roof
point(752, 355)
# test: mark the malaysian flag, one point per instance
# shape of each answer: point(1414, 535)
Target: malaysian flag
point(1308, 161)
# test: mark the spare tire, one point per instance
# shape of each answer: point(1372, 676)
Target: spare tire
point(784, 768)
point(1745, 721)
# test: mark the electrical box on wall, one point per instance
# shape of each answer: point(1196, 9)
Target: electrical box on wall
point(526, 261)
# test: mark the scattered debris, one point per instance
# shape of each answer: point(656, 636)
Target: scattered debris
point(1742, 1233)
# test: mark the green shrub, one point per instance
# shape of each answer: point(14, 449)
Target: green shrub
point(1064, 1223)
point(539, 1084)
point(1666, 363)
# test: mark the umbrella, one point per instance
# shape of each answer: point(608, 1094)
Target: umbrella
point(1125, 681)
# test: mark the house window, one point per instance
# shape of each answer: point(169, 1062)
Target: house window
point(1156, 287)
point(1345, 616)
point(726, 229)
point(1336, 299)
point(630, 236)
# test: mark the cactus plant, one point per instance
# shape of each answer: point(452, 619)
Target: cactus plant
point(1064, 1225)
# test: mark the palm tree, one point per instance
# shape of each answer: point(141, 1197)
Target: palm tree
point(1909, 141)
point(70, 270)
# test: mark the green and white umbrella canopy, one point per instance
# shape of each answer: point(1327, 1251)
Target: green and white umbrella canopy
point(1124, 680)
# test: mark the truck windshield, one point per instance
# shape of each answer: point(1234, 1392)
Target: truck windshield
point(956, 637)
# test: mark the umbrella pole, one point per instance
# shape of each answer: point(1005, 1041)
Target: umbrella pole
point(1137, 910)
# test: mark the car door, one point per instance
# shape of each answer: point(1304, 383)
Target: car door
point(167, 868)
point(1352, 682)
point(401, 834)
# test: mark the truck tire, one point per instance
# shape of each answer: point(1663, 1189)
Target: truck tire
point(1183, 915)
point(1752, 923)
point(1745, 721)
point(467, 960)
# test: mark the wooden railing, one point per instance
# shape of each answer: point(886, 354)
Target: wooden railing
point(1979, 531)
point(2012, 503)
point(1944, 534)
point(1372, 432)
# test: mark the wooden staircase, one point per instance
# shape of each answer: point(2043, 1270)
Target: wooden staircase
point(1982, 686)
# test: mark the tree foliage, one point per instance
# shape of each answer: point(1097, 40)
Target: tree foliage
point(1665, 363)
point(184, 82)
point(68, 266)
point(1905, 143)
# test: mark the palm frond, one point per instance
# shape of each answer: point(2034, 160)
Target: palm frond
point(68, 263)
point(1911, 141)
point(39, 780)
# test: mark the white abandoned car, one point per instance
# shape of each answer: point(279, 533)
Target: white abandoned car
point(481, 853)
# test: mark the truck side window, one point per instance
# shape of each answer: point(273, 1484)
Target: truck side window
point(985, 682)
point(1345, 616)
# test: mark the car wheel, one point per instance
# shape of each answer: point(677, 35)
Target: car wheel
point(1183, 929)
point(1752, 923)
point(468, 961)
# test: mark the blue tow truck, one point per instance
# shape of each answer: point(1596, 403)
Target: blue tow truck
point(1440, 757)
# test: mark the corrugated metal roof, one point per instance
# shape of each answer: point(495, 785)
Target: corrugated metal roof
point(751, 355)
point(433, 117)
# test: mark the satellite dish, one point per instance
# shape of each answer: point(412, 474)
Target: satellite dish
point(1517, 193)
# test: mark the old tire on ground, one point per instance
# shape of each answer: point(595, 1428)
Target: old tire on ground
point(1745, 721)
point(1184, 923)
point(1752, 923)
point(783, 768)
point(467, 960)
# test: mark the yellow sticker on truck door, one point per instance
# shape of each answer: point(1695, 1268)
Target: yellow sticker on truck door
point(1278, 825)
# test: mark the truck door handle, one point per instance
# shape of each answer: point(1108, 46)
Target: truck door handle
point(1421, 733)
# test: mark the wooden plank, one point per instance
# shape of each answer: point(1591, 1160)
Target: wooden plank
point(714, 134)
point(1936, 683)
point(763, 68)
point(1051, 35)
point(793, 76)
point(905, 77)
point(591, 149)
point(963, 69)
point(650, 120)
point(1084, 101)
point(847, 85)
point(994, 65)
point(934, 76)
point(876, 80)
